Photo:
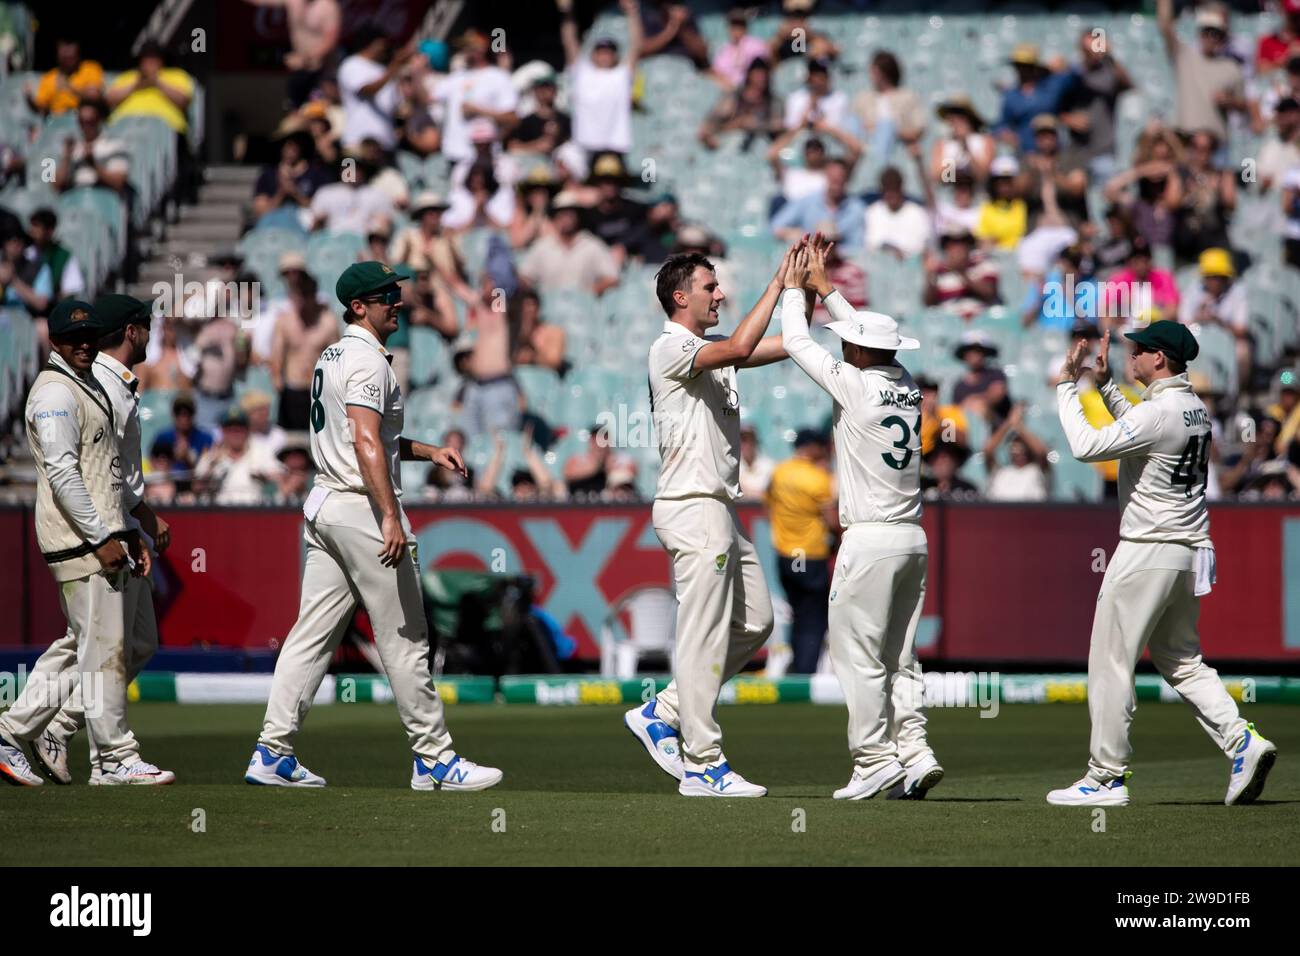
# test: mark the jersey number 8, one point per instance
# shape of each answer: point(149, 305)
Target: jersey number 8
point(317, 409)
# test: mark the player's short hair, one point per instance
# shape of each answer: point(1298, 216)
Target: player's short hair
point(675, 274)
point(1177, 366)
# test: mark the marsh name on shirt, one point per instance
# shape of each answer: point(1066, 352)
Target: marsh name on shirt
point(901, 399)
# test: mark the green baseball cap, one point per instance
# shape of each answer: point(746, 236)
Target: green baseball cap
point(364, 278)
point(74, 315)
point(1170, 337)
point(118, 311)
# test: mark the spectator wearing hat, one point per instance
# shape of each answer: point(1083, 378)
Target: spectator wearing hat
point(1004, 216)
point(888, 112)
point(1040, 88)
point(801, 506)
point(755, 467)
point(324, 122)
point(73, 80)
point(256, 406)
point(157, 90)
point(66, 280)
point(1281, 150)
point(349, 205)
point(940, 481)
point(670, 30)
point(572, 258)
point(963, 148)
point(186, 441)
point(284, 191)
point(1027, 474)
point(1287, 410)
point(984, 383)
point(1222, 301)
point(751, 108)
point(1208, 201)
point(379, 237)
point(303, 330)
point(293, 483)
point(733, 59)
point(235, 471)
point(314, 32)
point(601, 84)
point(427, 247)
point(1208, 81)
point(833, 205)
point(1137, 288)
point(1088, 106)
point(613, 218)
point(895, 223)
point(815, 105)
point(1063, 164)
point(530, 219)
point(957, 280)
point(368, 87)
point(546, 128)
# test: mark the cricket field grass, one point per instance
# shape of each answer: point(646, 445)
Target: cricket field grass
point(579, 790)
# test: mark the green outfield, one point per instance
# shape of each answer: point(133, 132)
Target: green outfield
point(578, 790)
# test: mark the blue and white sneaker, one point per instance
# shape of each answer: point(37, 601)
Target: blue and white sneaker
point(1251, 763)
point(719, 781)
point(270, 769)
point(455, 773)
point(864, 788)
point(661, 741)
point(1089, 793)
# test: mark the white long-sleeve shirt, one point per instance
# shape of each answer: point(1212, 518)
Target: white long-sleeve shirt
point(1163, 445)
point(119, 384)
point(877, 426)
point(55, 413)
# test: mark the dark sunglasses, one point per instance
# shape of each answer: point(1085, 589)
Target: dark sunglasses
point(387, 297)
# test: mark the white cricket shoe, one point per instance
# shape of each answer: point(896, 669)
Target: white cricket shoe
point(270, 769)
point(661, 741)
point(1089, 793)
point(50, 754)
point(1251, 763)
point(14, 767)
point(455, 773)
point(864, 788)
point(139, 774)
point(922, 776)
point(719, 781)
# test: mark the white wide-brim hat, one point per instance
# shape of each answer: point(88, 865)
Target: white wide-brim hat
point(873, 330)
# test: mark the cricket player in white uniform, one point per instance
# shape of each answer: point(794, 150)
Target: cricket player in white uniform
point(724, 611)
point(82, 533)
point(126, 323)
point(1150, 595)
point(879, 582)
point(360, 547)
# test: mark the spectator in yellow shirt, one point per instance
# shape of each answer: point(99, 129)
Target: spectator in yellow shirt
point(71, 82)
point(1094, 406)
point(1004, 217)
point(939, 422)
point(154, 89)
point(801, 506)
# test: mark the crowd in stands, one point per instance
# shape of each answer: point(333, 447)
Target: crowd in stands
point(507, 187)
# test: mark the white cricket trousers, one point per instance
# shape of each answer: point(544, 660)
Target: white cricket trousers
point(342, 569)
point(875, 607)
point(1147, 601)
point(89, 663)
point(724, 615)
point(140, 644)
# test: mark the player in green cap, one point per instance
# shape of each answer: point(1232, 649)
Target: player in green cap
point(82, 531)
point(1150, 595)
